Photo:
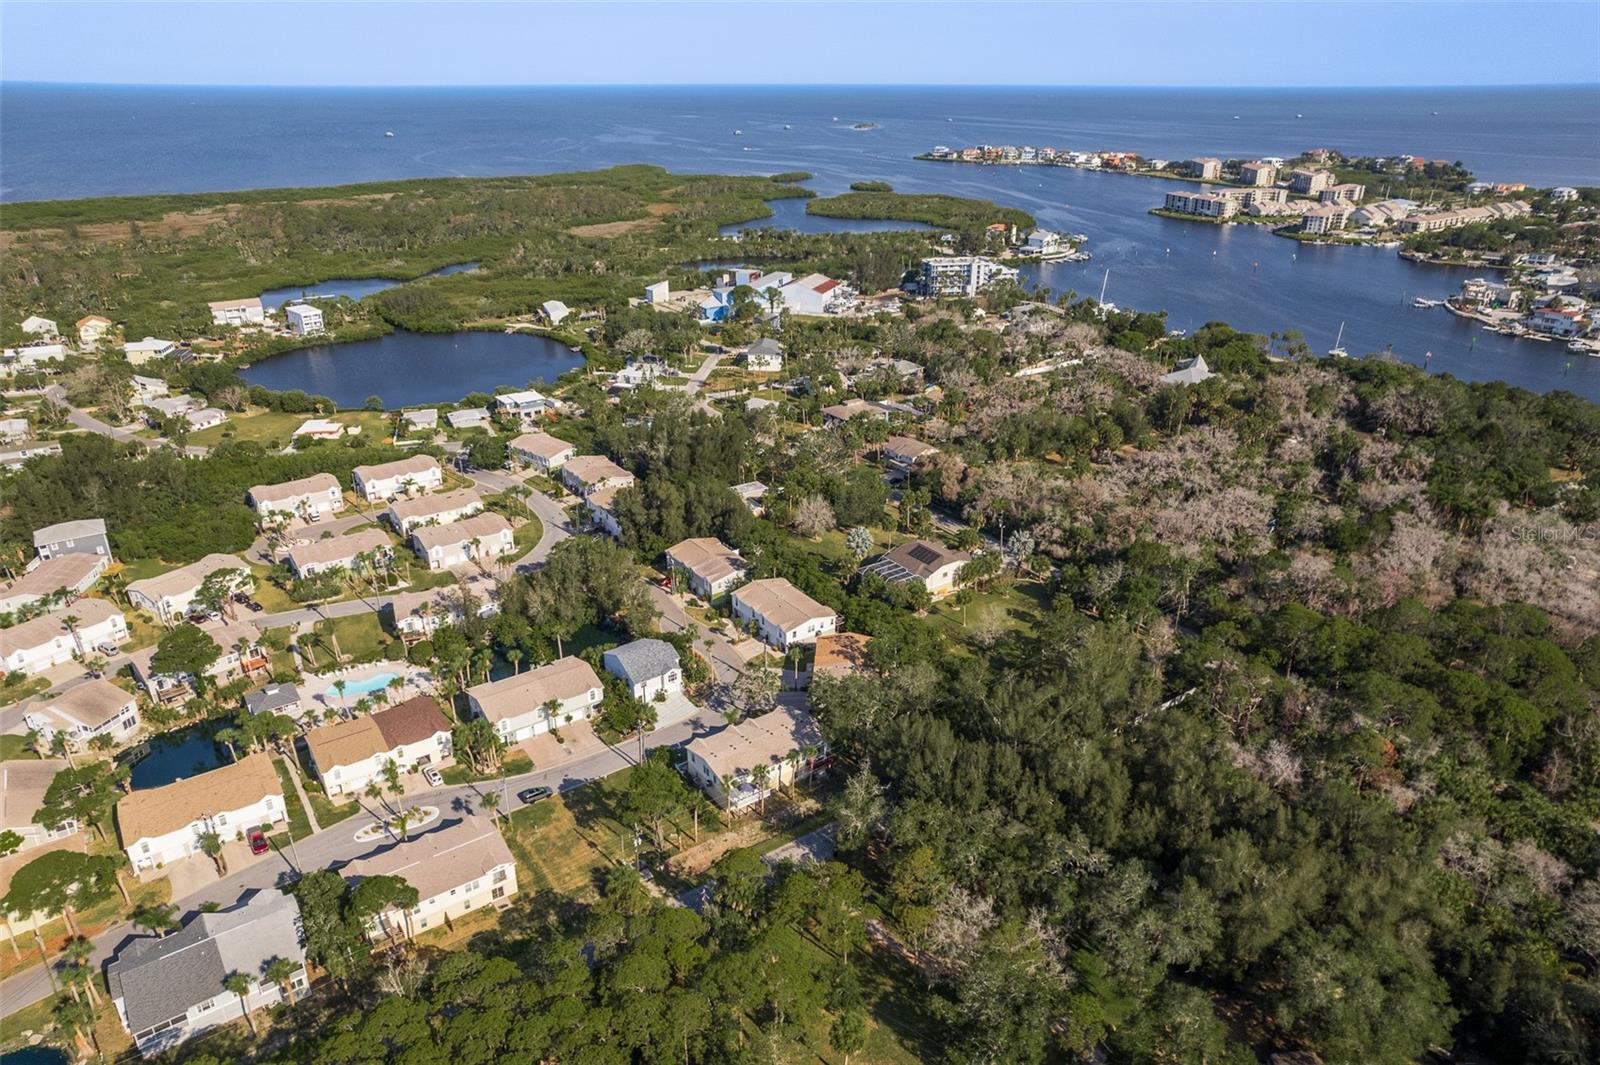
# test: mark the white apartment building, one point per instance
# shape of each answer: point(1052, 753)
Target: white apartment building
point(441, 509)
point(586, 474)
point(309, 499)
point(160, 825)
point(783, 614)
point(169, 596)
point(139, 352)
point(409, 476)
point(303, 319)
point(47, 640)
point(539, 700)
point(460, 866)
point(339, 552)
point(961, 275)
point(478, 538)
point(712, 567)
point(527, 406)
point(85, 712)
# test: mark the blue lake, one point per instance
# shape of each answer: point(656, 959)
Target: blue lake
point(352, 287)
point(406, 369)
point(180, 754)
point(791, 214)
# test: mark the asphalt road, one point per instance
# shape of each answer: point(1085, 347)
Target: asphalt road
point(336, 845)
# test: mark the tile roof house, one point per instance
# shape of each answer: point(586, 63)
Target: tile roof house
point(590, 473)
point(35, 645)
point(339, 552)
point(713, 568)
point(459, 866)
point(169, 595)
point(169, 989)
point(519, 706)
point(384, 481)
point(542, 450)
point(441, 508)
point(69, 575)
point(85, 711)
point(723, 763)
point(160, 825)
point(649, 667)
point(309, 498)
point(349, 755)
point(443, 546)
point(22, 788)
point(783, 613)
point(934, 565)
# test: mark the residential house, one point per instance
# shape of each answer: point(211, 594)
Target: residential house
point(1188, 372)
point(480, 537)
point(839, 413)
point(764, 356)
point(35, 325)
point(728, 764)
point(440, 509)
point(841, 654)
point(139, 352)
point(168, 989)
point(274, 699)
point(554, 311)
point(649, 668)
point(1481, 292)
point(459, 866)
point(309, 499)
point(204, 418)
point(470, 418)
point(1559, 194)
point(424, 420)
point(586, 474)
point(81, 536)
point(35, 645)
point(1258, 174)
point(933, 565)
point(783, 614)
point(22, 788)
point(415, 615)
point(321, 429)
point(68, 576)
point(240, 655)
point(84, 712)
point(15, 456)
point(754, 495)
point(349, 755)
point(238, 312)
point(539, 700)
point(527, 406)
point(303, 319)
point(333, 553)
point(903, 452)
point(407, 476)
point(961, 275)
point(169, 596)
point(640, 371)
point(1306, 181)
point(146, 389)
point(90, 329)
point(30, 357)
point(599, 505)
point(1556, 321)
point(14, 428)
point(165, 824)
point(542, 450)
point(711, 566)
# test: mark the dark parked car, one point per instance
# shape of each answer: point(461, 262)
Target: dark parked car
point(258, 841)
point(533, 795)
point(255, 607)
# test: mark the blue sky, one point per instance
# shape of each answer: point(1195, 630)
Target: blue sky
point(1425, 42)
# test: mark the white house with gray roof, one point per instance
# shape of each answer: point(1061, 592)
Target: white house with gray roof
point(169, 989)
point(648, 667)
point(85, 536)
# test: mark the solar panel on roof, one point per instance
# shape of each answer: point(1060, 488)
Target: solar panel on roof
point(924, 554)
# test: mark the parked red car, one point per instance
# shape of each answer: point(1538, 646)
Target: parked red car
point(258, 841)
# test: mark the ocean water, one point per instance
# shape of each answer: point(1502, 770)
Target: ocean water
point(58, 142)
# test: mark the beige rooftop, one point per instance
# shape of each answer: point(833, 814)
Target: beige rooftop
point(277, 493)
point(424, 507)
point(339, 548)
point(763, 740)
point(91, 704)
point(186, 579)
point(592, 469)
point(706, 557)
point(781, 603)
point(563, 679)
point(400, 468)
point(36, 632)
point(479, 526)
point(22, 788)
point(544, 445)
point(434, 862)
point(154, 812)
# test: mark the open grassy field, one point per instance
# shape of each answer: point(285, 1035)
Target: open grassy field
point(273, 428)
point(1002, 608)
point(13, 748)
point(360, 637)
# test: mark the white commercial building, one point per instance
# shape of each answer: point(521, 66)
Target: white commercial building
point(961, 275)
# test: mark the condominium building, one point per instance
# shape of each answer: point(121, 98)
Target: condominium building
point(961, 275)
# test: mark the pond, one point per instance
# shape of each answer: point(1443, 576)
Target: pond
point(353, 287)
point(407, 369)
point(39, 1055)
point(791, 213)
point(179, 754)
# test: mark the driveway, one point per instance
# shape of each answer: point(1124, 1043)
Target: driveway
point(726, 661)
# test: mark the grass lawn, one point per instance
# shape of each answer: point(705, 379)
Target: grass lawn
point(34, 1018)
point(299, 824)
point(91, 922)
point(146, 568)
point(274, 599)
point(25, 687)
point(141, 631)
point(361, 639)
point(553, 853)
point(1002, 608)
point(13, 748)
point(515, 762)
point(527, 534)
point(275, 427)
point(327, 811)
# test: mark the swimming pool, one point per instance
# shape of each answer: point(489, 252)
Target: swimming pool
point(366, 686)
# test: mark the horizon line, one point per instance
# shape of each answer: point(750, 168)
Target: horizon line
point(5, 83)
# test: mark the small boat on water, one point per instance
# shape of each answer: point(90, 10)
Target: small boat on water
point(1423, 302)
point(738, 133)
point(1337, 351)
point(388, 133)
point(787, 126)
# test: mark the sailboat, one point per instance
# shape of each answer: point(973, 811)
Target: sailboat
point(1337, 351)
point(1105, 308)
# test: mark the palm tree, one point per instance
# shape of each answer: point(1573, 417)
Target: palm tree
point(239, 984)
point(70, 623)
point(211, 845)
point(339, 686)
point(514, 656)
point(402, 821)
point(62, 745)
point(281, 972)
point(759, 775)
point(491, 802)
point(77, 1019)
point(159, 919)
point(809, 752)
point(78, 951)
point(793, 760)
point(550, 708)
